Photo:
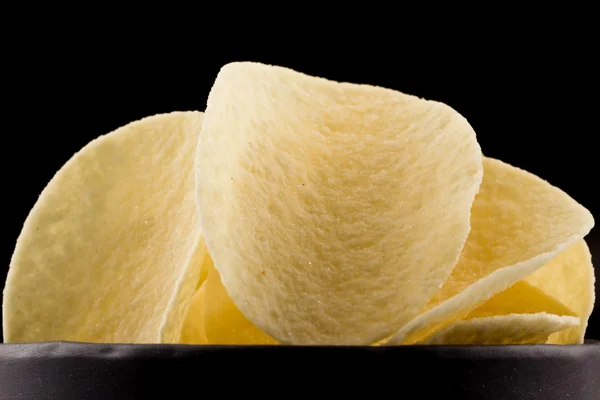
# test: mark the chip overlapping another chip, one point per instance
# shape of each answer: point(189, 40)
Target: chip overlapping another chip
point(224, 323)
point(522, 314)
point(521, 298)
point(569, 278)
point(505, 329)
point(111, 250)
point(519, 222)
point(299, 211)
point(194, 329)
point(319, 201)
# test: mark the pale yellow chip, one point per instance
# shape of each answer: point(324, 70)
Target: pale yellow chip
point(111, 250)
point(519, 222)
point(505, 329)
point(224, 323)
point(569, 278)
point(521, 298)
point(333, 211)
point(194, 331)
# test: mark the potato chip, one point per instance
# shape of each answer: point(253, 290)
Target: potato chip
point(521, 298)
point(224, 323)
point(569, 278)
point(324, 201)
point(193, 331)
point(519, 222)
point(111, 250)
point(505, 329)
point(204, 270)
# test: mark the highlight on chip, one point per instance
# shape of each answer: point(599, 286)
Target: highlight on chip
point(519, 222)
point(321, 201)
point(111, 250)
point(193, 330)
point(501, 330)
point(569, 277)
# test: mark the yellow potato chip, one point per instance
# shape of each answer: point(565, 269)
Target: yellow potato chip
point(569, 278)
point(204, 270)
point(521, 298)
point(323, 201)
point(193, 331)
point(519, 222)
point(505, 329)
point(224, 323)
point(111, 250)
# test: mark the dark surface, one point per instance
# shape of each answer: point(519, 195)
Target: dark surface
point(527, 84)
point(71, 371)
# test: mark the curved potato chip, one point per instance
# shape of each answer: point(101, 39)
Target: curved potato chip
point(505, 329)
point(224, 323)
point(519, 222)
point(324, 199)
point(111, 250)
point(521, 298)
point(569, 278)
point(193, 331)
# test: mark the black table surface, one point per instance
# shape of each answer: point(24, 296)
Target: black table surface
point(83, 371)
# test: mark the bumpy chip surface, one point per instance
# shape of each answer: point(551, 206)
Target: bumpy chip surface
point(111, 250)
point(506, 329)
point(224, 323)
point(569, 278)
point(323, 201)
point(519, 222)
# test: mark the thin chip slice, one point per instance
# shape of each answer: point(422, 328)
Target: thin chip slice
point(519, 222)
point(505, 329)
point(111, 250)
point(521, 298)
point(324, 201)
point(193, 331)
point(569, 278)
point(224, 323)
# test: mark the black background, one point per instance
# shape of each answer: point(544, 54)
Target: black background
point(528, 93)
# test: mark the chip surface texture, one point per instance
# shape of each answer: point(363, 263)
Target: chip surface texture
point(519, 223)
point(322, 201)
point(111, 251)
